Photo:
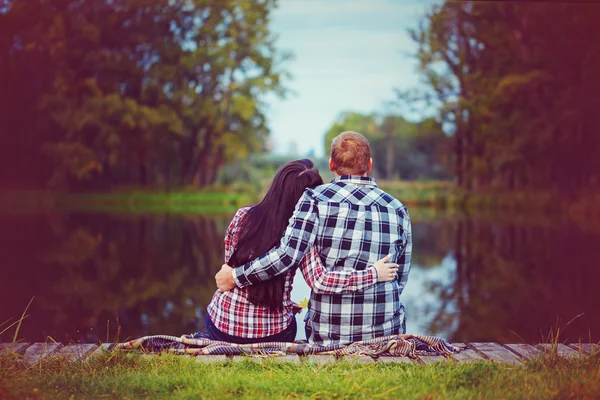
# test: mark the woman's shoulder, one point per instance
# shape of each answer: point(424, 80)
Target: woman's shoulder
point(242, 212)
point(240, 215)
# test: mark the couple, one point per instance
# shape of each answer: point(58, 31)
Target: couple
point(339, 234)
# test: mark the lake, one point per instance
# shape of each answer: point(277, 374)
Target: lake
point(106, 277)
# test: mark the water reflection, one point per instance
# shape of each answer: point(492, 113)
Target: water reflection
point(472, 280)
point(147, 274)
point(516, 280)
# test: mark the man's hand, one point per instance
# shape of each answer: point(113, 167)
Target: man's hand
point(296, 308)
point(385, 271)
point(224, 278)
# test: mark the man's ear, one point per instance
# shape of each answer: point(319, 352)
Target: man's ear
point(370, 164)
point(331, 166)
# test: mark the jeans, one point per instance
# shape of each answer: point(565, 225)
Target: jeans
point(286, 335)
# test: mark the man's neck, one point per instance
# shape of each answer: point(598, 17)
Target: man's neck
point(366, 174)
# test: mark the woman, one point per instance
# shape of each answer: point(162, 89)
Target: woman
point(265, 312)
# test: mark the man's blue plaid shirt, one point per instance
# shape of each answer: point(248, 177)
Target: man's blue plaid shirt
point(353, 223)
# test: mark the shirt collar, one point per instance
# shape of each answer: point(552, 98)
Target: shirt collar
point(362, 181)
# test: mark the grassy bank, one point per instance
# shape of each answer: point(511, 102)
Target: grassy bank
point(436, 195)
point(443, 194)
point(167, 376)
point(209, 201)
point(446, 196)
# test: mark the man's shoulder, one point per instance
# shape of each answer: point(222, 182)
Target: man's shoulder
point(388, 200)
point(325, 192)
point(326, 187)
point(340, 191)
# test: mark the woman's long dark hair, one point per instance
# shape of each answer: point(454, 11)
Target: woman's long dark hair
point(265, 224)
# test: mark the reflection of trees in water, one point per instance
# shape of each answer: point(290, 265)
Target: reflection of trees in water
point(516, 282)
point(431, 241)
point(155, 273)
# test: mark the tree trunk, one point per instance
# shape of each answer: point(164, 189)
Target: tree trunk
point(217, 164)
point(201, 162)
point(458, 162)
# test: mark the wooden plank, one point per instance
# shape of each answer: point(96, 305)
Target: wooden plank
point(38, 351)
point(74, 352)
point(526, 351)
point(102, 349)
point(358, 359)
point(396, 360)
point(289, 358)
point(319, 359)
point(495, 352)
point(18, 348)
point(211, 359)
point(509, 353)
point(243, 358)
point(433, 359)
point(466, 355)
point(585, 348)
point(561, 350)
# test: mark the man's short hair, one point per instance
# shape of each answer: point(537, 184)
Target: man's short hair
point(350, 153)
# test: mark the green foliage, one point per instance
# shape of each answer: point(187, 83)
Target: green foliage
point(400, 149)
point(133, 92)
point(516, 83)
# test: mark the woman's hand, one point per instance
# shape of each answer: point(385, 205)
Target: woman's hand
point(385, 271)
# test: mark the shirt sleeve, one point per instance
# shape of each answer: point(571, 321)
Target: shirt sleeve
point(298, 238)
point(233, 231)
point(405, 260)
point(324, 281)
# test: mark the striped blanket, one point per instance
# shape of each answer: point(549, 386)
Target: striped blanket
point(396, 345)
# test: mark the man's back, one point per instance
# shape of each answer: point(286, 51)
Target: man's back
point(358, 224)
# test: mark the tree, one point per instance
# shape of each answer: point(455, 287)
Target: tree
point(515, 84)
point(136, 92)
point(400, 148)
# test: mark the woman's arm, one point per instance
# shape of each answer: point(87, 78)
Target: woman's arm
point(324, 281)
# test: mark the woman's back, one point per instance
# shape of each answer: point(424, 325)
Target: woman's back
point(234, 314)
point(262, 311)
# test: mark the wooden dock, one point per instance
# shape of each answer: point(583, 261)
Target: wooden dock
point(514, 354)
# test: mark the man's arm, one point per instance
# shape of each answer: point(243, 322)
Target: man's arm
point(297, 240)
point(324, 281)
point(405, 259)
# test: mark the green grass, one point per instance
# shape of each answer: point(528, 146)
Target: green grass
point(205, 201)
point(445, 194)
point(202, 202)
point(411, 193)
point(126, 375)
point(435, 195)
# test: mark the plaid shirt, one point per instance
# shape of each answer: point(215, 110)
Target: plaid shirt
point(232, 313)
point(353, 223)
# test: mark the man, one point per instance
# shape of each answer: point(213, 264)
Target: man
point(353, 223)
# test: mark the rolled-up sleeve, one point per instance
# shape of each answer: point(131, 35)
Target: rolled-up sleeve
point(324, 281)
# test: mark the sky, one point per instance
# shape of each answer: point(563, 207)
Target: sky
point(349, 55)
